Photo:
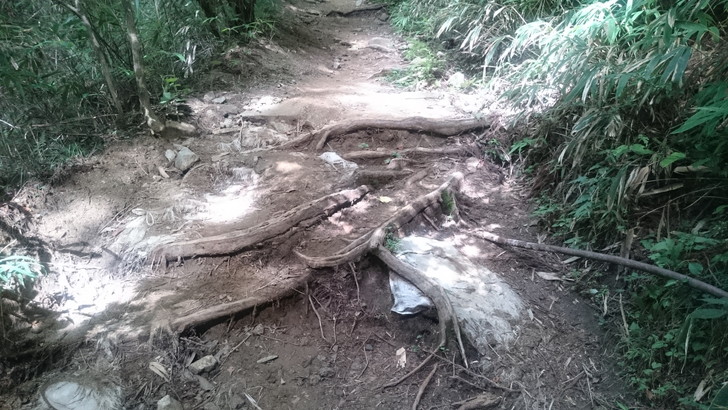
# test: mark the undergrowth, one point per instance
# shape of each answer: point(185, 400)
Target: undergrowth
point(56, 105)
point(625, 104)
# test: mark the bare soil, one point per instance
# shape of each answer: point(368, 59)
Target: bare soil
point(104, 312)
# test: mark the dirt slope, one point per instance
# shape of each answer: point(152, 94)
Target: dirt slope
point(334, 339)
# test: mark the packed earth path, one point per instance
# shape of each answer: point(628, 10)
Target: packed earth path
point(250, 266)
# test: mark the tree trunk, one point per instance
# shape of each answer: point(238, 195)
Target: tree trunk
point(98, 50)
point(154, 123)
point(208, 9)
point(244, 11)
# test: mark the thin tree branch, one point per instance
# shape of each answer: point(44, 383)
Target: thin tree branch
point(629, 263)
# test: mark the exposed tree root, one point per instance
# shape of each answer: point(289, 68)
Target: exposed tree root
point(372, 242)
point(423, 386)
point(355, 12)
point(232, 242)
point(217, 312)
point(373, 239)
point(457, 150)
point(375, 177)
point(629, 263)
point(445, 127)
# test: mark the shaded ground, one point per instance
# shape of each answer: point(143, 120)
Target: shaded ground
point(335, 340)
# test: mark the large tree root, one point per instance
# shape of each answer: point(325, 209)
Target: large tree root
point(232, 242)
point(201, 317)
point(457, 150)
point(444, 127)
point(372, 242)
point(629, 263)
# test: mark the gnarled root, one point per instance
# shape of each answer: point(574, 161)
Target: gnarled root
point(236, 241)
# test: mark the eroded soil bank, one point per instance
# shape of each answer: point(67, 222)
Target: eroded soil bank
point(106, 316)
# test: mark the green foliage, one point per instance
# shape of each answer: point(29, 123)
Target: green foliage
point(627, 104)
point(391, 241)
point(448, 202)
point(15, 270)
point(54, 102)
point(423, 69)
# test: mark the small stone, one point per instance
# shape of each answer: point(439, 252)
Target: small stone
point(205, 384)
point(203, 365)
point(258, 330)
point(169, 403)
point(208, 97)
point(314, 379)
point(456, 80)
point(368, 347)
point(472, 163)
point(326, 372)
point(185, 159)
point(170, 155)
point(267, 359)
point(236, 402)
point(219, 100)
point(82, 395)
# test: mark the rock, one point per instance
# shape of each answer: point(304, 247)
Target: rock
point(314, 379)
point(208, 97)
point(236, 402)
point(381, 44)
point(267, 359)
point(336, 161)
point(203, 365)
point(368, 347)
point(456, 80)
point(472, 163)
point(83, 394)
point(185, 159)
point(205, 384)
point(326, 372)
point(170, 155)
point(219, 100)
point(258, 330)
point(169, 403)
point(383, 16)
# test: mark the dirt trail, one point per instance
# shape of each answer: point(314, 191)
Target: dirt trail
point(335, 340)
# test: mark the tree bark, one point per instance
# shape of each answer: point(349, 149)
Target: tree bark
point(244, 11)
point(629, 263)
point(98, 50)
point(154, 123)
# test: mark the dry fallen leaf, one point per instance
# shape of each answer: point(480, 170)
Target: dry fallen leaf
point(401, 357)
point(159, 370)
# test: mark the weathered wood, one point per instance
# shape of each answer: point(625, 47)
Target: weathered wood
point(629, 263)
point(213, 313)
point(444, 127)
point(456, 150)
point(236, 241)
point(372, 239)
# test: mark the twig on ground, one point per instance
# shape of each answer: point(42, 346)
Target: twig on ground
point(423, 386)
point(629, 263)
point(366, 358)
point(413, 371)
point(321, 326)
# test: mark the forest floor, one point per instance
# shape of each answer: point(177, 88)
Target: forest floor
point(104, 315)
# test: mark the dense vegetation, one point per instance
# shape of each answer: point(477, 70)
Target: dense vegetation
point(625, 107)
point(622, 123)
point(67, 74)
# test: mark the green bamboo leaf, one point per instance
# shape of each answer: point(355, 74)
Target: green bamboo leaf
point(707, 313)
point(675, 156)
